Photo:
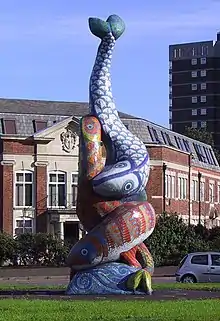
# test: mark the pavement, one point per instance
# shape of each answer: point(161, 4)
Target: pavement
point(60, 276)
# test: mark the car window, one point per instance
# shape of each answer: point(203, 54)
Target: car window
point(200, 259)
point(215, 259)
point(183, 261)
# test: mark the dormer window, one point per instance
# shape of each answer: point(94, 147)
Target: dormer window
point(39, 125)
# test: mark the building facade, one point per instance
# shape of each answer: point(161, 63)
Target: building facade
point(194, 87)
point(39, 169)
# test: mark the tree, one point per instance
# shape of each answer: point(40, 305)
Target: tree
point(202, 135)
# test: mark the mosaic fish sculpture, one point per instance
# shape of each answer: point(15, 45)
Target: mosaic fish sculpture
point(114, 169)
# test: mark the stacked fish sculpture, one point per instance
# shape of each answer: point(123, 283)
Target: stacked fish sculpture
point(111, 258)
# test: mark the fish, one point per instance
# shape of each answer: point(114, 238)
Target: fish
point(126, 227)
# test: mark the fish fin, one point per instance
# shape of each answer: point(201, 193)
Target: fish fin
point(117, 25)
point(129, 257)
point(144, 257)
point(98, 27)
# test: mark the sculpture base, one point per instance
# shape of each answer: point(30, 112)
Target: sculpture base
point(109, 278)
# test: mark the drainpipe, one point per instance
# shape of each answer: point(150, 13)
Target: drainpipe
point(189, 187)
point(164, 187)
point(199, 187)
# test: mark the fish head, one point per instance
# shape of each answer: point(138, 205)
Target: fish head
point(118, 181)
point(91, 128)
point(86, 253)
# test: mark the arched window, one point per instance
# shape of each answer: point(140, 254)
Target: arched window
point(57, 189)
point(24, 189)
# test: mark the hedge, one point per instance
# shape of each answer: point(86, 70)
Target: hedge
point(169, 243)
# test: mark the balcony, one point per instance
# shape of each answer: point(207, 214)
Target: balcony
point(61, 203)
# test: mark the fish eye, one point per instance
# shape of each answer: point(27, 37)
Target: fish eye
point(84, 252)
point(128, 186)
point(120, 165)
point(90, 126)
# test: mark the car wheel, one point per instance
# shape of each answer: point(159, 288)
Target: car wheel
point(188, 279)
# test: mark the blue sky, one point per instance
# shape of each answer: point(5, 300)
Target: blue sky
point(47, 51)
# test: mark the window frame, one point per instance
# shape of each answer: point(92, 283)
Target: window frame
point(203, 73)
point(202, 87)
point(194, 112)
point(3, 121)
point(24, 219)
point(194, 87)
point(202, 113)
point(76, 186)
point(203, 61)
point(23, 183)
point(203, 99)
point(194, 99)
point(56, 183)
point(194, 74)
point(194, 61)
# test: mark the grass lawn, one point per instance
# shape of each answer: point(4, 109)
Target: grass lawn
point(155, 286)
point(38, 310)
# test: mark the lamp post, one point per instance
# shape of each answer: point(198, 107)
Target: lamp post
point(199, 196)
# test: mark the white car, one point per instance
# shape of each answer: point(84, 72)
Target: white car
point(199, 267)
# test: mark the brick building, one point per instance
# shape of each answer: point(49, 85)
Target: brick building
point(39, 168)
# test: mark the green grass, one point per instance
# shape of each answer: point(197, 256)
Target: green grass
point(38, 310)
point(156, 286)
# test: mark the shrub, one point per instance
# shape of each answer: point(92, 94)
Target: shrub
point(172, 239)
point(8, 249)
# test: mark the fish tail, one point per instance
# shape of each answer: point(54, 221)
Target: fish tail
point(100, 28)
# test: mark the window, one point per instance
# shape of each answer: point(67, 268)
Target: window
point(170, 77)
point(194, 124)
point(209, 156)
point(194, 99)
point(194, 61)
point(203, 99)
point(219, 193)
point(186, 145)
point(200, 259)
point(202, 191)
point(203, 124)
point(169, 186)
point(153, 134)
point(194, 74)
point(74, 188)
point(211, 192)
point(24, 225)
point(9, 126)
point(194, 112)
point(24, 189)
point(182, 187)
point(194, 86)
point(199, 152)
point(203, 111)
point(202, 61)
point(39, 125)
point(203, 85)
point(179, 142)
point(215, 259)
point(203, 73)
point(170, 64)
point(57, 189)
point(170, 102)
point(170, 89)
point(195, 190)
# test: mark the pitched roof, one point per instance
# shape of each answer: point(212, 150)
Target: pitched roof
point(25, 112)
point(46, 107)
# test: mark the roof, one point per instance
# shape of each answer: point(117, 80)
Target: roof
point(46, 107)
point(26, 113)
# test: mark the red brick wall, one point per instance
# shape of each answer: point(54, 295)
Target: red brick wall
point(41, 198)
point(6, 212)
point(16, 147)
point(155, 188)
